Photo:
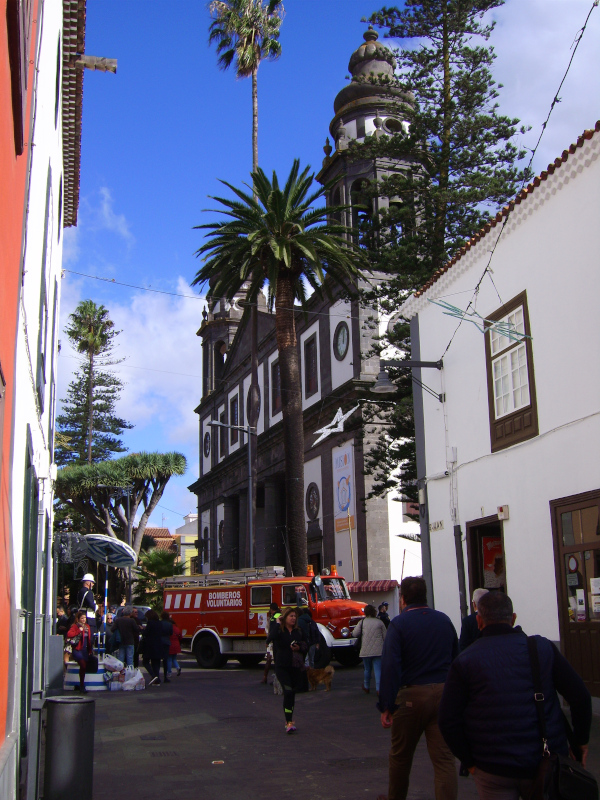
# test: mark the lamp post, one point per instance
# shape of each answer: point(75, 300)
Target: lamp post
point(383, 384)
point(249, 430)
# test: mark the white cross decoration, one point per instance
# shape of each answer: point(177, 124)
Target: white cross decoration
point(336, 425)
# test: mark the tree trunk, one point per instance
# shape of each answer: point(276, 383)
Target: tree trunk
point(293, 423)
point(439, 232)
point(254, 120)
point(253, 420)
point(90, 408)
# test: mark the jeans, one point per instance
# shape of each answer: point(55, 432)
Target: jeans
point(372, 663)
point(416, 714)
point(497, 787)
point(172, 663)
point(126, 654)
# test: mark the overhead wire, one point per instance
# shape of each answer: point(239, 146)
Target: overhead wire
point(555, 101)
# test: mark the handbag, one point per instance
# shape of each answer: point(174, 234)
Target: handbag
point(358, 643)
point(91, 666)
point(558, 778)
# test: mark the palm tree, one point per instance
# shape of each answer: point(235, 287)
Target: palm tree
point(91, 332)
point(246, 32)
point(276, 237)
point(154, 565)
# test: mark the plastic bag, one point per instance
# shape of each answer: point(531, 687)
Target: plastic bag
point(133, 680)
point(113, 664)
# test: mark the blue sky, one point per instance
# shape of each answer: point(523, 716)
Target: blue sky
point(159, 134)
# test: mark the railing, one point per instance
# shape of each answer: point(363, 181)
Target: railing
point(238, 576)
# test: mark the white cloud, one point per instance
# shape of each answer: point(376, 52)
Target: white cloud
point(533, 41)
point(107, 219)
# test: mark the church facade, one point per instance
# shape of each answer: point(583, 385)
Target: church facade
point(335, 341)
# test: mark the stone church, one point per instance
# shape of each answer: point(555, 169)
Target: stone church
point(335, 337)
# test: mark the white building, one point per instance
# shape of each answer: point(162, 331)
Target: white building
point(187, 537)
point(510, 450)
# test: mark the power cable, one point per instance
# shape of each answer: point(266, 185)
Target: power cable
point(555, 101)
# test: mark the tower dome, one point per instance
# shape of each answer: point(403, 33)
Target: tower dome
point(372, 67)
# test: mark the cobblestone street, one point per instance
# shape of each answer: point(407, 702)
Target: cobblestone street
point(160, 744)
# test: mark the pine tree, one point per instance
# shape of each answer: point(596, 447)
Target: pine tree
point(461, 167)
point(88, 429)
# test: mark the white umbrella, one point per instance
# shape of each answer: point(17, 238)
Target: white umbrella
point(112, 553)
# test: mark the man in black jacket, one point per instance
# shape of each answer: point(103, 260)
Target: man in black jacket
point(86, 601)
point(419, 646)
point(487, 714)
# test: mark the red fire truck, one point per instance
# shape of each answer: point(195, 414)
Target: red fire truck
point(223, 615)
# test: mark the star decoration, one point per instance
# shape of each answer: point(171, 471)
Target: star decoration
point(482, 324)
point(336, 425)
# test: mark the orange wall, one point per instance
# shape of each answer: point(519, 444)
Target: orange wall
point(13, 173)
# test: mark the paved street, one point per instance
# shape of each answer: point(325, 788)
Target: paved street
point(161, 744)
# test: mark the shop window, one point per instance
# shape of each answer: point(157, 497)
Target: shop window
point(275, 388)
point(511, 386)
point(311, 377)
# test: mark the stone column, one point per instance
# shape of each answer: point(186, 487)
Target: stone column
point(243, 528)
point(230, 543)
point(274, 521)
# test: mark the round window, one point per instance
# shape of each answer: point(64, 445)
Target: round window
point(248, 399)
point(313, 501)
point(207, 444)
point(392, 125)
point(341, 341)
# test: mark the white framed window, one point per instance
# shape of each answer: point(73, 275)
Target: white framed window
point(511, 381)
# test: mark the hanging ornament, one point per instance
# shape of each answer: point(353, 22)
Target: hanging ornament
point(335, 426)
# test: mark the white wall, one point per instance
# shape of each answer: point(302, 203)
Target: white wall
point(549, 248)
point(273, 418)
point(341, 371)
point(405, 555)
point(312, 474)
point(220, 456)
point(233, 393)
point(204, 429)
point(261, 385)
point(220, 518)
point(307, 402)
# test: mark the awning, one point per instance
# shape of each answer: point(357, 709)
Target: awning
point(109, 551)
point(371, 586)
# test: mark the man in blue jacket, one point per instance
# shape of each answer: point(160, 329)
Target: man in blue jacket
point(419, 647)
point(488, 715)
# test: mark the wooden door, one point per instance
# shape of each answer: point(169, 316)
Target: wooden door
point(485, 552)
point(576, 531)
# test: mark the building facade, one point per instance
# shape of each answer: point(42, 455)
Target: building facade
point(335, 338)
point(509, 456)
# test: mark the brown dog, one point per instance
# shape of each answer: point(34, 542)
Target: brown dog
point(317, 676)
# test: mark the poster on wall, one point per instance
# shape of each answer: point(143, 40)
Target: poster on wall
point(344, 509)
point(494, 575)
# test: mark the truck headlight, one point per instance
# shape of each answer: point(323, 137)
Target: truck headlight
point(345, 632)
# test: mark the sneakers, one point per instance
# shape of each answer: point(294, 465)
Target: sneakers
point(178, 671)
point(290, 727)
point(154, 682)
point(365, 690)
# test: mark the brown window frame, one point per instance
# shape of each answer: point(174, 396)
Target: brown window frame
point(522, 424)
point(276, 400)
point(309, 390)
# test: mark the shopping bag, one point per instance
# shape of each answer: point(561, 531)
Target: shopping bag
point(112, 664)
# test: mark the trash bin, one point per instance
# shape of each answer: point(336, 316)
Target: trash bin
point(69, 759)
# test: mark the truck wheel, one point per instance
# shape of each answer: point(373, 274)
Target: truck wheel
point(250, 659)
point(208, 655)
point(346, 656)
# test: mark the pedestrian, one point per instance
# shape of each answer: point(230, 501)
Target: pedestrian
point(290, 649)
point(488, 712)
point(371, 631)
point(109, 644)
point(79, 645)
point(62, 621)
point(420, 645)
point(86, 601)
point(136, 652)
point(383, 614)
point(273, 615)
point(312, 637)
point(167, 631)
point(469, 632)
point(151, 646)
point(174, 649)
point(128, 633)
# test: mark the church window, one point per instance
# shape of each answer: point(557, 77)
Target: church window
point(311, 379)
point(220, 350)
point(336, 200)
point(361, 209)
point(234, 419)
point(275, 388)
point(360, 128)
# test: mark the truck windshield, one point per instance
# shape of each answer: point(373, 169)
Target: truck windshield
point(333, 589)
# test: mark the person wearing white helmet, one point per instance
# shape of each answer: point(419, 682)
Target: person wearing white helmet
point(86, 600)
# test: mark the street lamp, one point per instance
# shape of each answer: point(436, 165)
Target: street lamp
point(383, 384)
point(249, 430)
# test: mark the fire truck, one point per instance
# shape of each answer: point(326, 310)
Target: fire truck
point(223, 615)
